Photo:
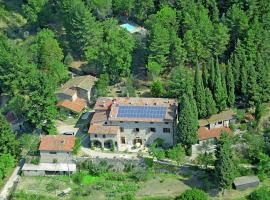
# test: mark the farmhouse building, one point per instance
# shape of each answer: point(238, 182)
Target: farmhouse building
point(76, 93)
point(219, 120)
point(125, 122)
point(56, 148)
point(210, 131)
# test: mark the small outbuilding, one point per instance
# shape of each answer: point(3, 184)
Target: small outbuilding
point(244, 182)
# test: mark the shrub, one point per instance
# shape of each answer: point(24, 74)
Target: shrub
point(52, 186)
point(35, 160)
point(141, 174)
point(55, 160)
point(193, 194)
point(262, 193)
point(77, 146)
point(128, 197)
point(148, 162)
point(77, 177)
point(115, 176)
point(243, 127)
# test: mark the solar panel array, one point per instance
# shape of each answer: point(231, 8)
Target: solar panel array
point(142, 112)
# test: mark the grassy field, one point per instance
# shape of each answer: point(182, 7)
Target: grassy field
point(103, 187)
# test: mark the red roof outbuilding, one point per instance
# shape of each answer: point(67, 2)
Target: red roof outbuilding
point(57, 143)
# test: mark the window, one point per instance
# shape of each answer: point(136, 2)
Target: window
point(151, 122)
point(152, 129)
point(104, 136)
point(123, 140)
point(136, 122)
point(136, 129)
point(52, 152)
point(166, 122)
point(122, 129)
point(95, 135)
point(166, 130)
point(220, 122)
point(121, 121)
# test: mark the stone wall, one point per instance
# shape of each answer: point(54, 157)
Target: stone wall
point(60, 157)
point(144, 132)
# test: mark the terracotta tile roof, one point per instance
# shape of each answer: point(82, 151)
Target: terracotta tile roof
point(103, 103)
point(103, 129)
point(100, 117)
point(170, 104)
point(225, 115)
point(76, 106)
point(204, 133)
point(57, 143)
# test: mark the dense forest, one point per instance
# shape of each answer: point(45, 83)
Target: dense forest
point(209, 54)
point(215, 52)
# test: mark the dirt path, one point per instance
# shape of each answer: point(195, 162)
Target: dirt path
point(9, 184)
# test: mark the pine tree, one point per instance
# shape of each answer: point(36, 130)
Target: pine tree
point(187, 126)
point(205, 76)
point(225, 166)
point(199, 93)
point(219, 91)
point(211, 106)
point(230, 85)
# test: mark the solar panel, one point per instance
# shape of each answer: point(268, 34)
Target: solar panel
point(141, 112)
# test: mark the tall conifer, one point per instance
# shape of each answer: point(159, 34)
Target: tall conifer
point(199, 93)
point(230, 85)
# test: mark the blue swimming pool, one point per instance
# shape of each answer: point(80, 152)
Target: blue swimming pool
point(129, 27)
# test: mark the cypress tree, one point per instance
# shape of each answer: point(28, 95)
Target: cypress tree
point(230, 85)
point(252, 86)
point(263, 78)
point(225, 166)
point(236, 72)
point(223, 81)
point(205, 76)
point(244, 77)
point(210, 103)
point(219, 91)
point(199, 93)
point(187, 126)
point(212, 75)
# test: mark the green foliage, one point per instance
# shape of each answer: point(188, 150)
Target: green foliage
point(140, 174)
point(206, 159)
point(225, 165)
point(102, 85)
point(84, 33)
point(193, 194)
point(8, 142)
point(154, 69)
point(7, 162)
point(77, 146)
point(210, 103)
point(200, 94)
point(187, 124)
point(32, 8)
point(177, 153)
point(157, 89)
point(263, 166)
point(148, 162)
point(180, 82)
point(115, 53)
point(262, 193)
point(230, 85)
